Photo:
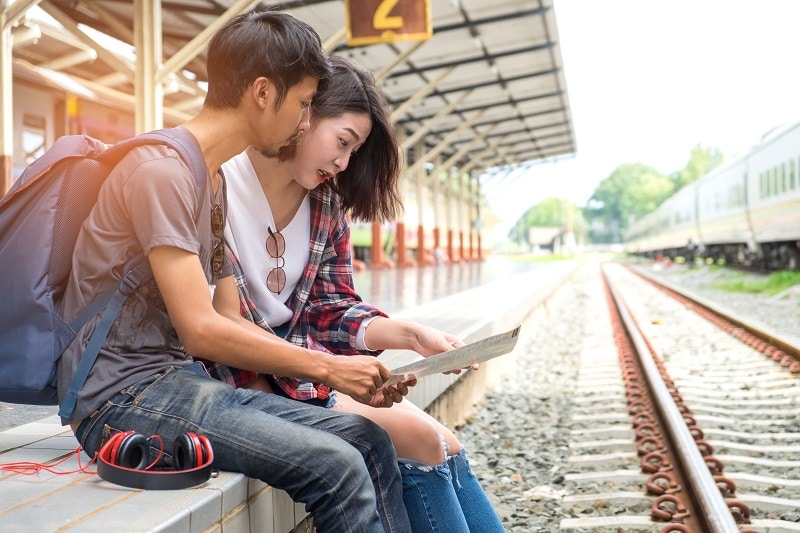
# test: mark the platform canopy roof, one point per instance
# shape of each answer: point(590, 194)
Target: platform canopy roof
point(487, 89)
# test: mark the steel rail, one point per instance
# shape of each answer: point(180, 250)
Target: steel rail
point(709, 505)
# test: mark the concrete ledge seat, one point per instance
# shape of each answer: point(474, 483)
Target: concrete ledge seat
point(231, 502)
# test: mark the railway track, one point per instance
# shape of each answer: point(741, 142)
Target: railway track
point(699, 433)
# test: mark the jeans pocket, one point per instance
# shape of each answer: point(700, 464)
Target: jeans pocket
point(131, 394)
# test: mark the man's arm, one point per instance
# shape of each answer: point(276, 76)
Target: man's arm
point(207, 334)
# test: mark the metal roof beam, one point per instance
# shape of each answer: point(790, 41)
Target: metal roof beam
point(69, 60)
point(420, 94)
point(111, 59)
point(431, 122)
point(439, 148)
point(13, 13)
point(464, 149)
point(464, 61)
point(521, 77)
point(400, 58)
point(511, 119)
point(501, 103)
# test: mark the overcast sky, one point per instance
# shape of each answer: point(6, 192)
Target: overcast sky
point(648, 80)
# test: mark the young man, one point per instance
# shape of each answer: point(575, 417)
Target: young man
point(263, 72)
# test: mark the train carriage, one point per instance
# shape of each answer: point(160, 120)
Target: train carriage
point(745, 213)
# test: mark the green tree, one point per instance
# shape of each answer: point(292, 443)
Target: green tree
point(701, 162)
point(551, 212)
point(631, 191)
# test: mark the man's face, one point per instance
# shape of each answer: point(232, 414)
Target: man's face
point(284, 125)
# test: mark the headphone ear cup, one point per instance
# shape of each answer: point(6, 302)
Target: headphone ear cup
point(132, 452)
point(187, 452)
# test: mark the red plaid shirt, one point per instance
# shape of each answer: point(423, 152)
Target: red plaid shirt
point(327, 310)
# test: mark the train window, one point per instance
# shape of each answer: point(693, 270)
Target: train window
point(783, 177)
point(773, 182)
point(792, 181)
point(34, 137)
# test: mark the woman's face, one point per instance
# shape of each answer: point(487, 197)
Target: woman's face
point(326, 148)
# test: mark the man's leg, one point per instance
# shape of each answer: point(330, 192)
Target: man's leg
point(248, 436)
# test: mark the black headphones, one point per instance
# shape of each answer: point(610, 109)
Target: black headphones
point(124, 460)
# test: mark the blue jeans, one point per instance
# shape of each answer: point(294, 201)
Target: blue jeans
point(447, 498)
point(343, 467)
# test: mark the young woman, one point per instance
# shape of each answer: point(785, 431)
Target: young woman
point(289, 236)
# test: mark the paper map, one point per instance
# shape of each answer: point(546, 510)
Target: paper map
point(462, 357)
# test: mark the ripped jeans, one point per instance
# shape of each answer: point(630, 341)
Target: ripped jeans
point(447, 498)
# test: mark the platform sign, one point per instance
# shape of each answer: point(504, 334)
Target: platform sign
point(387, 21)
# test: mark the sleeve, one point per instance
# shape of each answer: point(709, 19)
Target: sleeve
point(160, 196)
point(335, 311)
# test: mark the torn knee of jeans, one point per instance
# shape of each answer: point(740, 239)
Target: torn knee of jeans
point(410, 466)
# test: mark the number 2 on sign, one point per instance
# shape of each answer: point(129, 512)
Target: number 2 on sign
point(382, 20)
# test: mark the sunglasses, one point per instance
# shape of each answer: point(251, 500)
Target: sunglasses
point(218, 230)
point(276, 246)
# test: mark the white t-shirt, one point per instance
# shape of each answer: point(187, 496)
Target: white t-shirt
point(249, 216)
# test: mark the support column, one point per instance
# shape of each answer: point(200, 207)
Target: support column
point(460, 213)
point(376, 256)
point(478, 219)
point(402, 252)
point(435, 180)
point(423, 256)
point(149, 90)
point(403, 260)
point(450, 196)
point(6, 101)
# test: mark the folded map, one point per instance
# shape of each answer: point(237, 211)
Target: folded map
point(461, 357)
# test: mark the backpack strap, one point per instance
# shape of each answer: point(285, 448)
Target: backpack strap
point(137, 270)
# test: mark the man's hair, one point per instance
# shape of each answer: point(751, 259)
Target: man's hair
point(264, 43)
point(369, 187)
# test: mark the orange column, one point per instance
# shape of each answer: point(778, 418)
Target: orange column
point(376, 259)
point(450, 251)
point(423, 258)
point(402, 252)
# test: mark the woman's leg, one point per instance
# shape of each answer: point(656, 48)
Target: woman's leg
point(435, 493)
point(333, 463)
point(414, 435)
point(478, 510)
point(431, 500)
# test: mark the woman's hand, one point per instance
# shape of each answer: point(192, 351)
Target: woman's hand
point(428, 341)
point(392, 394)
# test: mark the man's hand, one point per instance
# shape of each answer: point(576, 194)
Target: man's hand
point(358, 376)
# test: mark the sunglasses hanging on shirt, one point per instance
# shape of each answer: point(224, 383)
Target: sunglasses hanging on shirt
point(276, 246)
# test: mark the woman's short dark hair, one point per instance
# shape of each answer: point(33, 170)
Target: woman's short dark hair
point(369, 186)
point(264, 43)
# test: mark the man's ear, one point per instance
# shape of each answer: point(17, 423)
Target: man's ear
point(260, 90)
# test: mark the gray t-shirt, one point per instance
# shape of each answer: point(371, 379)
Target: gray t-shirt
point(150, 199)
